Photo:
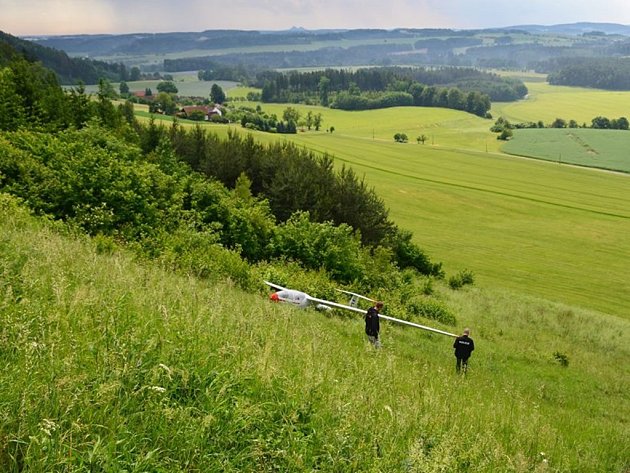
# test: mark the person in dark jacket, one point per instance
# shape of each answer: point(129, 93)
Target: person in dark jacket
point(464, 346)
point(372, 325)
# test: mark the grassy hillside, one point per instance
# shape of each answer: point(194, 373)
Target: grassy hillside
point(553, 231)
point(548, 102)
point(113, 366)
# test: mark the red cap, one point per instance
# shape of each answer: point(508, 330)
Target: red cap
point(274, 297)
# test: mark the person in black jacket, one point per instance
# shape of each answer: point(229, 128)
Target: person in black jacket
point(464, 346)
point(372, 325)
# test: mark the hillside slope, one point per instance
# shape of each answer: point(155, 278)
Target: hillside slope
point(68, 70)
point(112, 365)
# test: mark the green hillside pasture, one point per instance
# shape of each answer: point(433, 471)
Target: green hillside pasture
point(442, 127)
point(552, 231)
point(113, 366)
point(547, 102)
point(606, 149)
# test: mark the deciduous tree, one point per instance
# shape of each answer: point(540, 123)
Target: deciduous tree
point(217, 95)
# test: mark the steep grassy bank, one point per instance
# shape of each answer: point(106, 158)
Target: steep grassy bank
point(109, 365)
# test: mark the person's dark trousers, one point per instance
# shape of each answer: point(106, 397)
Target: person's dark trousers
point(462, 363)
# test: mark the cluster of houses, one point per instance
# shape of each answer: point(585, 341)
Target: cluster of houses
point(207, 110)
point(187, 111)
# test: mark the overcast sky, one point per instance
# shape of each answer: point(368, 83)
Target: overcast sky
point(29, 17)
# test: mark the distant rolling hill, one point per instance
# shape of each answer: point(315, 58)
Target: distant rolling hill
point(69, 70)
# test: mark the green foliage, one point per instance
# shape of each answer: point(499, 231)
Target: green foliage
point(68, 70)
point(500, 125)
point(167, 86)
point(597, 72)
point(401, 138)
point(561, 358)
point(31, 95)
point(431, 308)
point(371, 88)
point(291, 114)
point(409, 255)
point(163, 103)
point(12, 112)
point(349, 101)
point(216, 94)
point(335, 249)
point(505, 135)
point(90, 178)
point(261, 121)
point(197, 115)
point(200, 254)
point(462, 278)
point(559, 123)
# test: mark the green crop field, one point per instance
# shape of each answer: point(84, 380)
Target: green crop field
point(546, 102)
point(606, 149)
point(541, 228)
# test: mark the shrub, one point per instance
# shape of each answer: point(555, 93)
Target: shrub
point(431, 309)
point(561, 358)
point(461, 279)
point(320, 246)
point(197, 115)
point(200, 254)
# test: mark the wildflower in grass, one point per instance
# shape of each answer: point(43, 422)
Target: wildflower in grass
point(47, 426)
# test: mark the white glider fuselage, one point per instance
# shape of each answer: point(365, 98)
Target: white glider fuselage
point(303, 300)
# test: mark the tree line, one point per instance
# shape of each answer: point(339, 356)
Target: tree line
point(504, 127)
point(370, 88)
point(382, 78)
point(68, 70)
point(600, 73)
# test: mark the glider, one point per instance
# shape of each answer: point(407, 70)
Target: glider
point(303, 300)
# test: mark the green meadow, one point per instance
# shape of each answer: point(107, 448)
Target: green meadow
point(546, 102)
point(541, 228)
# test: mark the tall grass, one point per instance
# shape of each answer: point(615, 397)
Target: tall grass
point(110, 365)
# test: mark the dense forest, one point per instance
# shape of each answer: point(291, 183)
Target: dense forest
point(68, 70)
point(370, 88)
point(192, 200)
point(600, 73)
